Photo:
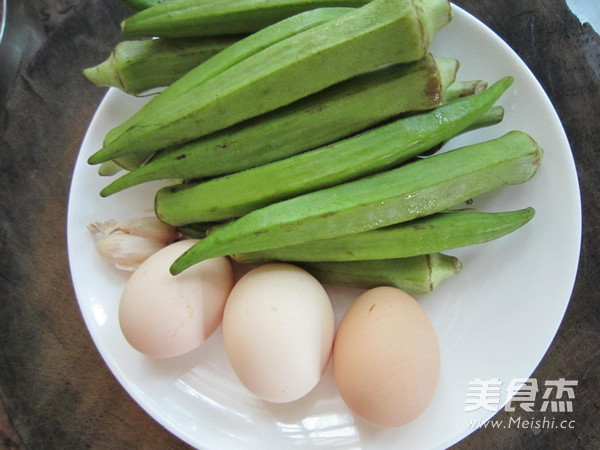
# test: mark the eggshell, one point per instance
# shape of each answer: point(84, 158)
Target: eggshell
point(278, 330)
point(164, 315)
point(386, 357)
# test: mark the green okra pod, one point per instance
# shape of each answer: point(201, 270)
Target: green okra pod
point(378, 149)
point(136, 67)
point(199, 229)
point(415, 275)
point(222, 61)
point(436, 233)
point(382, 32)
point(335, 113)
point(191, 18)
point(414, 190)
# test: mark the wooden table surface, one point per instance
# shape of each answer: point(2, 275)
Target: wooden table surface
point(55, 390)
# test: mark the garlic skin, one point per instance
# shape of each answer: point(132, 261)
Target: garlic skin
point(127, 251)
point(103, 228)
point(130, 242)
point(149, 227)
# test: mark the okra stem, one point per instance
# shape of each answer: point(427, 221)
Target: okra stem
point(415, 275)
point(448, 68)
point(461, 89)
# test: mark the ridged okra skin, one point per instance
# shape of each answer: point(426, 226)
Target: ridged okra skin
point(335, 113)
point(492, 116)
point(415, 275)
point(375, 150)
point(189, 18)
point(138, 66)
point(382, 32)
point(431, 234)
point(230, 56)
point(418, 189)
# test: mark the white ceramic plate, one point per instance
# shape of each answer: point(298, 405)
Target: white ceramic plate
point(494, 320)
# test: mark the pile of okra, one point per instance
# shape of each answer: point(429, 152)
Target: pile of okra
point(311, 132)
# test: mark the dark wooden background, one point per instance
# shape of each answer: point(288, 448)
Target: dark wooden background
point(56, 392)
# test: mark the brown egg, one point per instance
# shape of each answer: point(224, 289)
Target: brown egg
point(386, 357)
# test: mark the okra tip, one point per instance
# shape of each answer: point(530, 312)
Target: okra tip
point(507, 80)
point(103, 155)
point(187, 259)
point(108, 191)
point(179, 265)
point(527, 214)
point(95, 159)
point(117, 185)
point(108, 169)
point(104, 74)
point(503, 83)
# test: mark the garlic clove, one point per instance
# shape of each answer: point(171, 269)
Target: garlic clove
point(149, 227)
point(127, 251)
